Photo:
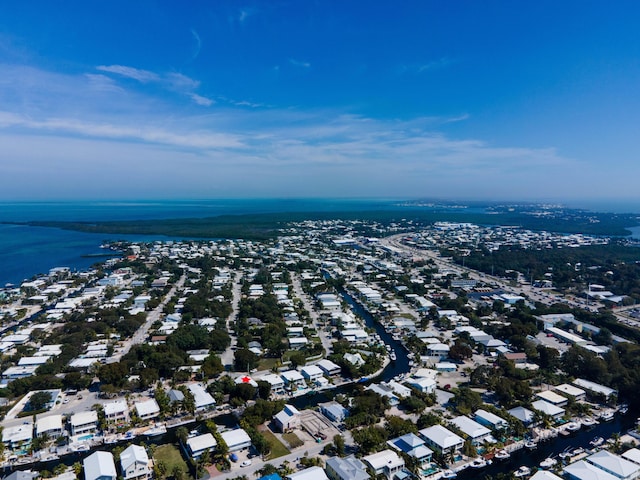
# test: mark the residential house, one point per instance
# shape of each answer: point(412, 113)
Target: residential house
point(614, 464)
point(475, 432)
point(387, 463)
point(334, 411)
point(51, 425)
point(311, 372)
point(134, 463)
point(147, 409)
point(311, 473)
point(413, 446)
point(236, 439)
point(288, 418)
point(99, 466)
point(490, 420)
point(84, 423)
point(546, 408)
point(328, 367)
point(442, 439)
point(293, 379)
point(116, 412)
point(203, 399)
point(197, 445)
point(276, 382)
point(348, 468)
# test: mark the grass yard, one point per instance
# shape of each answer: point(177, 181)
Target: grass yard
point(292, 439)
point(277, 448)
point(170, 456)
point(267, 363)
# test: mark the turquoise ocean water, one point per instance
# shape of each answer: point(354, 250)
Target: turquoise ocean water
point(27, 251)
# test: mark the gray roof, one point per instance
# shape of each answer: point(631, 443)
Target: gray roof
point(348, 468)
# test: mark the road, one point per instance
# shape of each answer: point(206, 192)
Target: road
point(227, 356)
point(306, 302)
point(141, 334)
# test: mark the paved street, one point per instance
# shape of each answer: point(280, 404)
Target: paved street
point(227, 356)
point(308, 305)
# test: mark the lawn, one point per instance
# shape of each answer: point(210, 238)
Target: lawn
point(292, 439)
point(170, 456)
point(267, 363)
point(277, 448)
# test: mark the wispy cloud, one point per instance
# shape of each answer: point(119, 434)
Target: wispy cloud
point(138, 74)
point(298, 63)
point(436, 64)
point(174, 81)
point(198, 45)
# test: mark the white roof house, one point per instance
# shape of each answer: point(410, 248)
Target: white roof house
point(632, 454)
point(311, 372)
point(424, 385)
point(547, 408)
point(582, 470)
point(115, 410)
point(441, 438)
point(525, 415)
point(545, 475)
point(199, 444)
point(288, 418)
point(413, 446)
point(276, 382)
point(84, 422)
point(203, 399)
point(51, 425)
point(348, 468)
point(236, 439)
point(311, 473)
point(595, 387)
point(292, 377)
point(476, 432)
point(571, 391)
point(134, 463)
point(614, 464)
point(328, 367)
point(12, 436)
point(490, 420)
point(99, 466)
point(386, 462)
point(553, 397)
point(147, 409)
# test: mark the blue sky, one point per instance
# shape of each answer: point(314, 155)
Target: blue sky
point(489, 100)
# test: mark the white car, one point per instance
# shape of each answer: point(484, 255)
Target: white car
point(246, 463)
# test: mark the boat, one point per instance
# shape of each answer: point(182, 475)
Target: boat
point(448, 474)
point(523, 471)
point(159, 429)
point(392, 356)
point(566, 453)
point(607, 415)
point(623, 409)
point(548, 462)
point(478, 463)
point(572, 426)
point(577, 451)
point(596, 442)
point(501, 455)
point(530, 444)
point(589, 421)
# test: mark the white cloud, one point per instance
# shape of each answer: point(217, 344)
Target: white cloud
point(200, 100)
point(198, 46)
point(298, 63)
point(138, 74)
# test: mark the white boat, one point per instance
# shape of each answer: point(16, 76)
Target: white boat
point(530, 444)
point(159, 429)
point(607, 415)
point(623, 409)
point(589, 421)
point(566, 453)
point(502, 455)
point(548, 462)
point(448, 474)
point(596, 442)
point(523, 471)
point(572, 426)
point(478, 463)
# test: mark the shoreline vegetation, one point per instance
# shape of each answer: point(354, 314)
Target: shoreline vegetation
point(267, 225)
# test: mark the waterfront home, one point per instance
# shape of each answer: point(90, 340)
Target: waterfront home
point(633, 454)
point(203, 399)
point(442, 439)
point(334, 411)
point(348, 468)
point(547, 408)
point(475, 432)
point(25, 475)
point(147, 409)
point(525, 415)
point(385, 390)
point(293, 379)
point(116, 412)
point(614, 464)
point(490, 420)
point(438, 350)
point(134, 463)
point(51, 425)
point(311, 473)
point(424, 385)
point(570, 391)
point(582, 470)
point(311, 372)
point(19, 435)
point(197, 445)
point(386, 462)
point(595, 389)
point(552, 397)
point(276, 382)
point(99, 466)
point(413, 446)
point(545, 475)
point(288, 418)
point(236, 439)
point(84, 423)
point(328, 367)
